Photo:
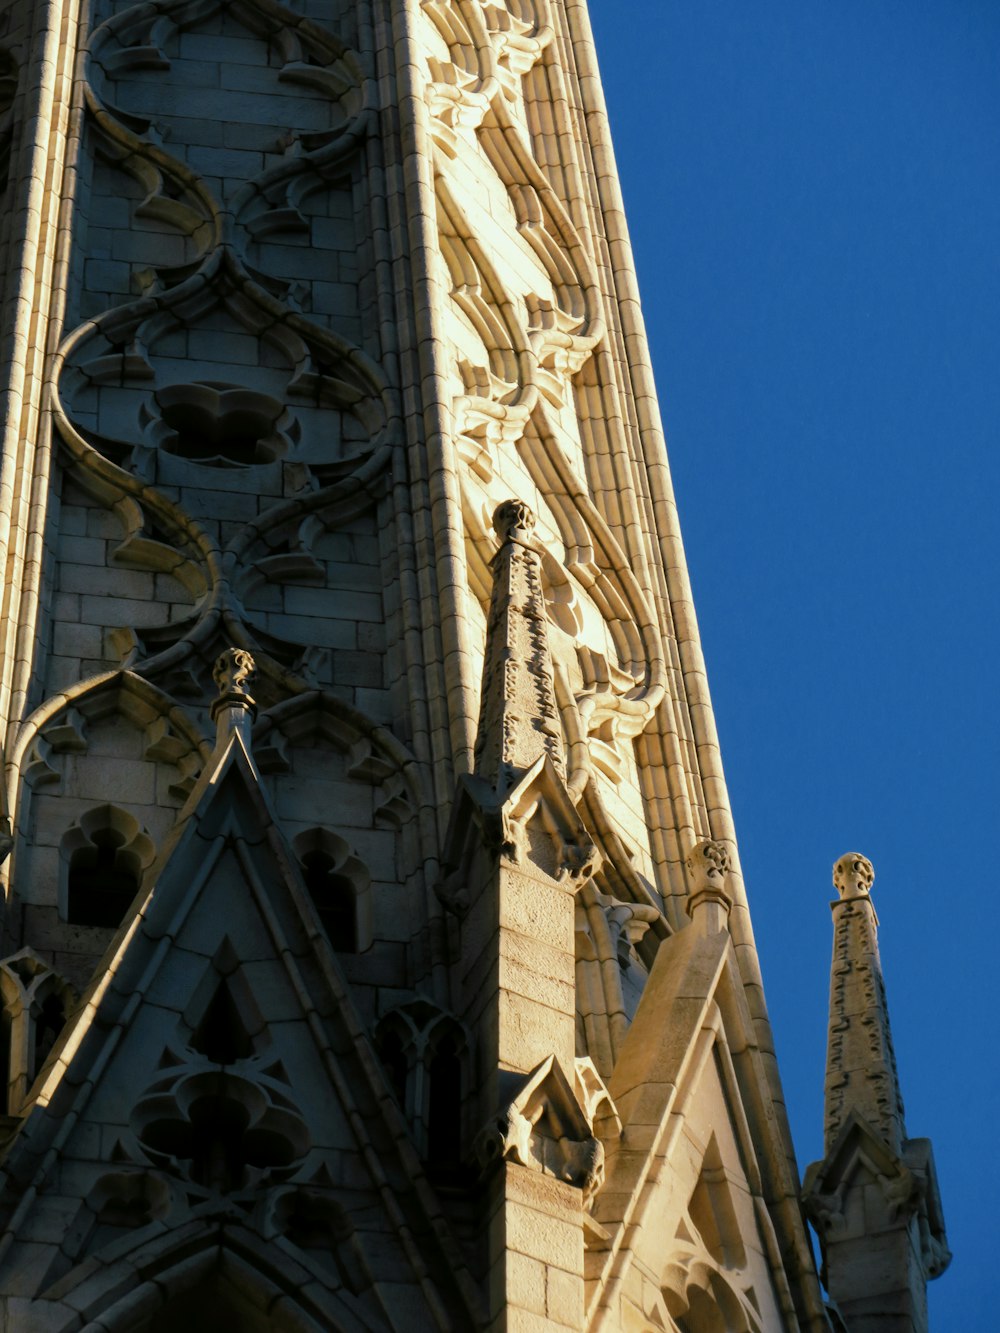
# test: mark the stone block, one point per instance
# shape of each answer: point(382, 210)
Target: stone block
point(533, 1232)
point(105, 275)
point(69, 640)
point(525, 1280)
point(537, 909)
point(564, 1297)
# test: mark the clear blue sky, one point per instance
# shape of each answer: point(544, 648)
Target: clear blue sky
point(813, 192)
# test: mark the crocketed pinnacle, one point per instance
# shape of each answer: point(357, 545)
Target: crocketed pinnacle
point(860, 1062)
point(519, 717)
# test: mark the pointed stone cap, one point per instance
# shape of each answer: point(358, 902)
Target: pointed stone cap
point(873, 1199)
point(234, 710)
point(861, 1071)
point(709, 901)
point(519, 717)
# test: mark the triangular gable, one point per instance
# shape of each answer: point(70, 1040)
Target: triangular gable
point(683, 1206)
point(839, 1203)
point(217, 1064)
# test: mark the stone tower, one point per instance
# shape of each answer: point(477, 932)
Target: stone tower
point(375, 954)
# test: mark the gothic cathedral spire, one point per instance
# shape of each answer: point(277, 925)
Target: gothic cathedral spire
point(375, 949)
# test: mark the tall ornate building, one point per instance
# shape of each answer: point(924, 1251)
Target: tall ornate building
point(376, 954)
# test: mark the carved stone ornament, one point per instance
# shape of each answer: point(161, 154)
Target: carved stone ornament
point(853, 876)
point(567, 853)
point(708, 864)
point(546, 1129)
point(859, 1155)
point(223, 1129)
point(519, 714)
point(596, 1102)
point(513, 520)
point(234, 669)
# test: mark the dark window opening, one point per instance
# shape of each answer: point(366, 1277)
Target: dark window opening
point(334, 899)
point(221, 1034)
point(101, 887)
point(220, 425)
point(444, 1105)
point(393, 1058)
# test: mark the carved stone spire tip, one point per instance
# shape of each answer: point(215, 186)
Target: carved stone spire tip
point(708, 864)
point(513, 520)
point(234, 708)
point(853, 875)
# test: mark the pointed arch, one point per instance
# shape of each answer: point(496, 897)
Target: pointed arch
point(202, 1269)
point(103, 855)
point(340, 887)
point(59, 724)
point(425, 1052)
point(701, 1299)
point(36, 1002)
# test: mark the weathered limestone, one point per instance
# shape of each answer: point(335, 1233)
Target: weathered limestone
point(874, 1198)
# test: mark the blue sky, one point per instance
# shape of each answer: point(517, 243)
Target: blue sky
point(813, 192)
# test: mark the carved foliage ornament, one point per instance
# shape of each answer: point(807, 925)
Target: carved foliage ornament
point(513, 521)
point(519, 717)
point(853, 876)
point(709, 863)
point(233, 671)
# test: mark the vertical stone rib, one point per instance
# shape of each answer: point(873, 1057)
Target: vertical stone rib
point(861, 1071)
point(436, 500)
point(31, 299)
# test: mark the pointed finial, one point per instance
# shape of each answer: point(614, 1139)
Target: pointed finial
point(513, 521)
point(234, 709)
point(519, 716)
point(861, 1065)
point(709, 864)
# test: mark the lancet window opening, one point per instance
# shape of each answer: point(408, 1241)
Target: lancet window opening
point(339, 885)
point(425, 1055)
point(36, 1004)
point(103, 859)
